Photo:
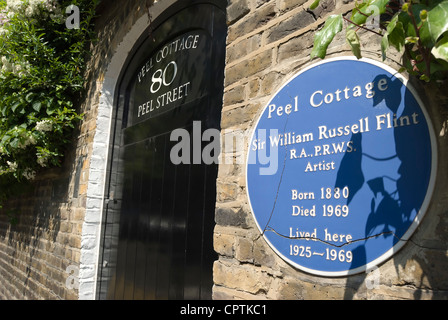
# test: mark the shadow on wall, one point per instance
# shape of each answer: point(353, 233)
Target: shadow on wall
point(30, 226)
point(396, 199)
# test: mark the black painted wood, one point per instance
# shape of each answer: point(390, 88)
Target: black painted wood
point(164, 248)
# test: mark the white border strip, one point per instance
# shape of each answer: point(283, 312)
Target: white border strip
point(428, 195)
point(91, 229)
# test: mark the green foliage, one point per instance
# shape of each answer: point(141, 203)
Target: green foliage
point(418, 29)
point(41, 78)
point(323, 38)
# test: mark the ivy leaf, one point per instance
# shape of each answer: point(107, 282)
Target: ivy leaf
point(29, 97)
point(438, 20)
point(14, 143)
point(409, 28)
point(323, 38)
point(395, 33)
point(384, 45)
point(440, 51)
point(413, 40)
point(15, 106)
point(353, 40)
point(314, 4)
point(37, 105)
point(366, 9)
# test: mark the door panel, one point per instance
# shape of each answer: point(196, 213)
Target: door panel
point(157, 240)
point(165, 241)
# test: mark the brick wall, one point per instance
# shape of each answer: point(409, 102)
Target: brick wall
point(41, 254)
point(268, 42)
point(36, 251)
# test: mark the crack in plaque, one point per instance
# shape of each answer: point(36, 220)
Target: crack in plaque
point(280, 181)
point(349, 242)
point(332, 244)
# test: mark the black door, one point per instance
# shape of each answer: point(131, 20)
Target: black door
point(158, 231)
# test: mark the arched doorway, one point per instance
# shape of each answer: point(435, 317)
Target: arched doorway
point(157, 236)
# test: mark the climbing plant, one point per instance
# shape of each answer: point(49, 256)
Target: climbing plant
point(42, 59)
point(417, 29)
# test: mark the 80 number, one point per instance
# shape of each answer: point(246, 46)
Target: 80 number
point(162, 77)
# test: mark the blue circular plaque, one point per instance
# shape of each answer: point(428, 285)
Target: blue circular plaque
point(341, 166)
